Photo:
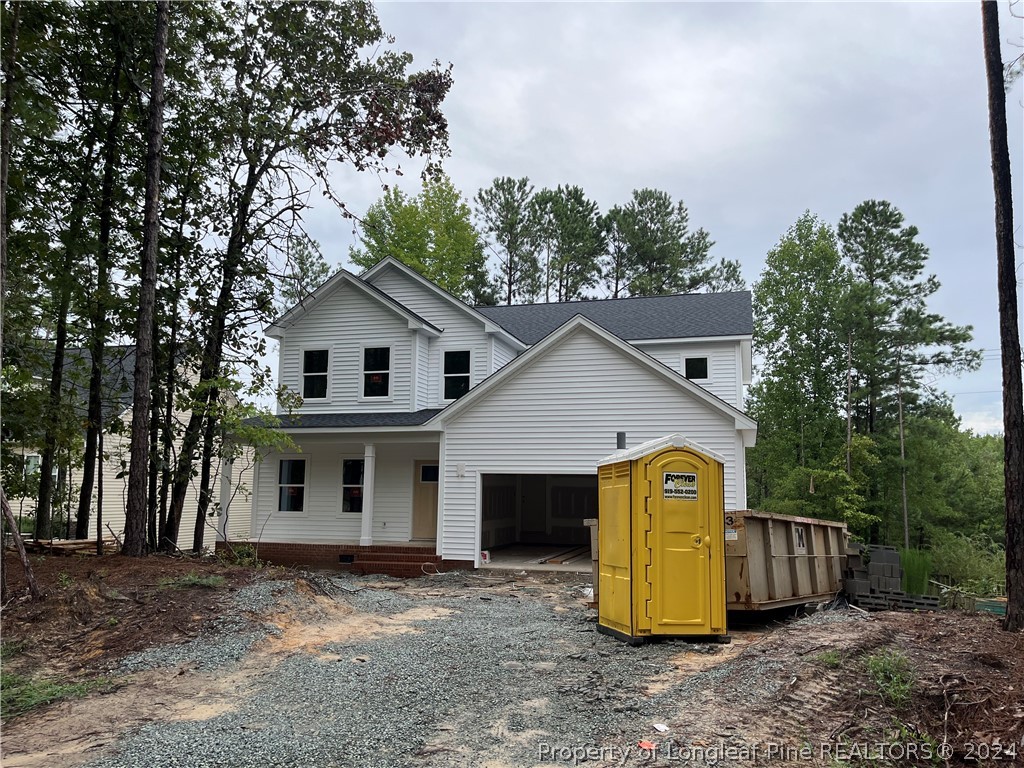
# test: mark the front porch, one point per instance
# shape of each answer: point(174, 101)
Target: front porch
point(398, 559)
point(359, 492)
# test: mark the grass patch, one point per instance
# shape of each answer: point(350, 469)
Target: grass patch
point(832, 659)
point(20, 694)
point(917, 568)
point(11, 648)
point(890, 671)
point(193, 579)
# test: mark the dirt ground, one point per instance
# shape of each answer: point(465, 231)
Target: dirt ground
point(783, 693)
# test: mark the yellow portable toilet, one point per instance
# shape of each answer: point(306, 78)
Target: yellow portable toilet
point(661, 541)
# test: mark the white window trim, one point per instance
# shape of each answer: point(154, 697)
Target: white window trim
point(469, 373)
point(390, 372)
point(341, 486)
point(682, 367)
point(278, 485)
point(302, 372)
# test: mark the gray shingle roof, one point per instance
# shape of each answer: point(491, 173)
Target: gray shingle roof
point(388, 419)
point(688, 315)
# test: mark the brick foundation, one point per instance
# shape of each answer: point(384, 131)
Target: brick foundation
point(390, 560)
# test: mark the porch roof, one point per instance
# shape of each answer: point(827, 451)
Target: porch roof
point(350, 420)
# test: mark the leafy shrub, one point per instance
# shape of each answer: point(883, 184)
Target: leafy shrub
point(890, 671)
point(974, 564)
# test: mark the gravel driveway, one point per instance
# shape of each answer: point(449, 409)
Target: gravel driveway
point(497, 672)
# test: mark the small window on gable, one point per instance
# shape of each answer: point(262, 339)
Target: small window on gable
point(314, 374)
point(377, 372)
point(695, 368)
point(456, 374)
point(352, 485)
point(291, 485)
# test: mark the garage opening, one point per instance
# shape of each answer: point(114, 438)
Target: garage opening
point(538, 519)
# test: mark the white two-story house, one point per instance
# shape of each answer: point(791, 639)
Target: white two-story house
point(446, 429)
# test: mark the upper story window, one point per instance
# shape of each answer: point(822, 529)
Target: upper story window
point(456, 374)
point(291, 485)
point(314, 374)
point(377, 372)
point(696, 368)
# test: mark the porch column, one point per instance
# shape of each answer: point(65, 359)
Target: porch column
point(369, 457)
point(225, 498)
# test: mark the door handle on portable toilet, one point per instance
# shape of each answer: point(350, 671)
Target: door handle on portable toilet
point(696, 540)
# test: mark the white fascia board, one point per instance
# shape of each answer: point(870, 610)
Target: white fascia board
point(675, 440)
point(574, 324)
point(687, 340)
point(489, 326)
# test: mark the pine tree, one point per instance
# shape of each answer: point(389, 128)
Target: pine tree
point(510, 228)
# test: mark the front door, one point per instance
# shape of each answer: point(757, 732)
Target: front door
point(424, 500)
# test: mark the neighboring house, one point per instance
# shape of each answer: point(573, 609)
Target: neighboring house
point(426, 421)
point(117, 389)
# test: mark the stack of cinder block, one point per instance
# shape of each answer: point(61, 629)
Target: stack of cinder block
point(873, 580)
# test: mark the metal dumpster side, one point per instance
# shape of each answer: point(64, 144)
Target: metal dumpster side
point(773, 561)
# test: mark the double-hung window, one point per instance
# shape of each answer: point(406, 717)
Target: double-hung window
point(352, 485)
point(456, 374)
point(291, 486)
point(377, 372)
point(314, 374)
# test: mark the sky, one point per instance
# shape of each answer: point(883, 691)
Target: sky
point(749, 113)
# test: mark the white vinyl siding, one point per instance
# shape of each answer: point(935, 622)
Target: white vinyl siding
point(324, 522)
point(723, 365)
point(502, 355)
point(560, 416)
point(349, 321)
point(460, 331)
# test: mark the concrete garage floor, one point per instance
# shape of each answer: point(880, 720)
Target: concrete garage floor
point(530, 557)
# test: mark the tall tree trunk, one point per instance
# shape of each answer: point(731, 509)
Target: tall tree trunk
point(1013, 393)
point(135, 515)
point(9, 58)
point(152, 530)
point(903, 449)
point(53, 407)
point(98, 343)
point(204, 483)
point(99, 494)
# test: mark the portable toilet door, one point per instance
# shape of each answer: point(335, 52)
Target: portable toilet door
point(672, 582)
point(685, 515)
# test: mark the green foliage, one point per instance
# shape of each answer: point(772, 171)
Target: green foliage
point(826, 304)
point(243, 555)
point(193, 579)
point(832, 659)
point(892, 675)
point(652, 250)
point(509, 223)
point(433, 233)
point(305, 270)
point(11, 648)
point(916, 565)
point(20, 694)
point(64, 580)
point(571, 225)
point(975, 564)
